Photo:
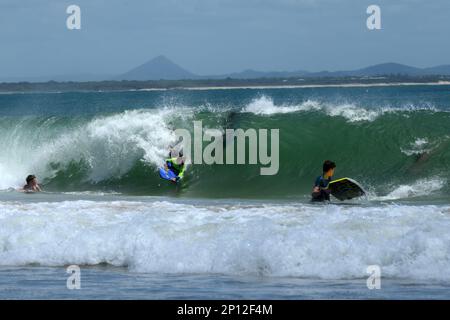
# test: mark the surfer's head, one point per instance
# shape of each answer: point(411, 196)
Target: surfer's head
point(328, 168)
point(31, 179)
point(180, 158)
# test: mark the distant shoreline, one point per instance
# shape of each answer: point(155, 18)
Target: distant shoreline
point(347, 85)
point(222, 84)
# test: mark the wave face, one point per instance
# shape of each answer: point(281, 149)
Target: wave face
point(325, 242)
point(393, 140)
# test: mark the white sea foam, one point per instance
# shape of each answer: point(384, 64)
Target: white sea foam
point(422, 187)
point(327, 242)
point(423, 145)
point(419, 146)
point(265, 106)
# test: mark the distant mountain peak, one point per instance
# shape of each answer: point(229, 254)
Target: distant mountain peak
point(158, 68)
point(390, 64)
point(161, 58)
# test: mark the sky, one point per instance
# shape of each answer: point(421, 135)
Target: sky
point(210, 37)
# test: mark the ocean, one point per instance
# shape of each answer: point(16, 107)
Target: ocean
point(225, 231)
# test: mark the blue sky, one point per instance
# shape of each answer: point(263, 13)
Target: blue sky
point(219, 36)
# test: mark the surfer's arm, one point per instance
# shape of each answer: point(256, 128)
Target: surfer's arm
point(316, 192)
point(316, 187)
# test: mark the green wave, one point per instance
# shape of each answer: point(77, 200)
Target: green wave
point(383, 152)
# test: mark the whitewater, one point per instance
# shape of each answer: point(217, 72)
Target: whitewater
point(290, 240)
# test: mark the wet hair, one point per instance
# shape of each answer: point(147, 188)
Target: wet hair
point(30, 178)
point(327, 165)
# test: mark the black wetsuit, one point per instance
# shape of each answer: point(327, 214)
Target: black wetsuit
point(324, 193)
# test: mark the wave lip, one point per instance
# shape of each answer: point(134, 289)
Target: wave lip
point(353, 113)
point(265, 106)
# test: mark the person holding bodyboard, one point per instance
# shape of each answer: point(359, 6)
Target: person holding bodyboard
point(342, 189)
point(321, 192)
point(174, 168)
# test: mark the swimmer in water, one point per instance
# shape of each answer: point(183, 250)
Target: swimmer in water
point(32, 184)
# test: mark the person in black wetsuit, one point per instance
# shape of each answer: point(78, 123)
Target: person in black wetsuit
point(320, 190)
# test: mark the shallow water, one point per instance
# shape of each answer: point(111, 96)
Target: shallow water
point(105, 282)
